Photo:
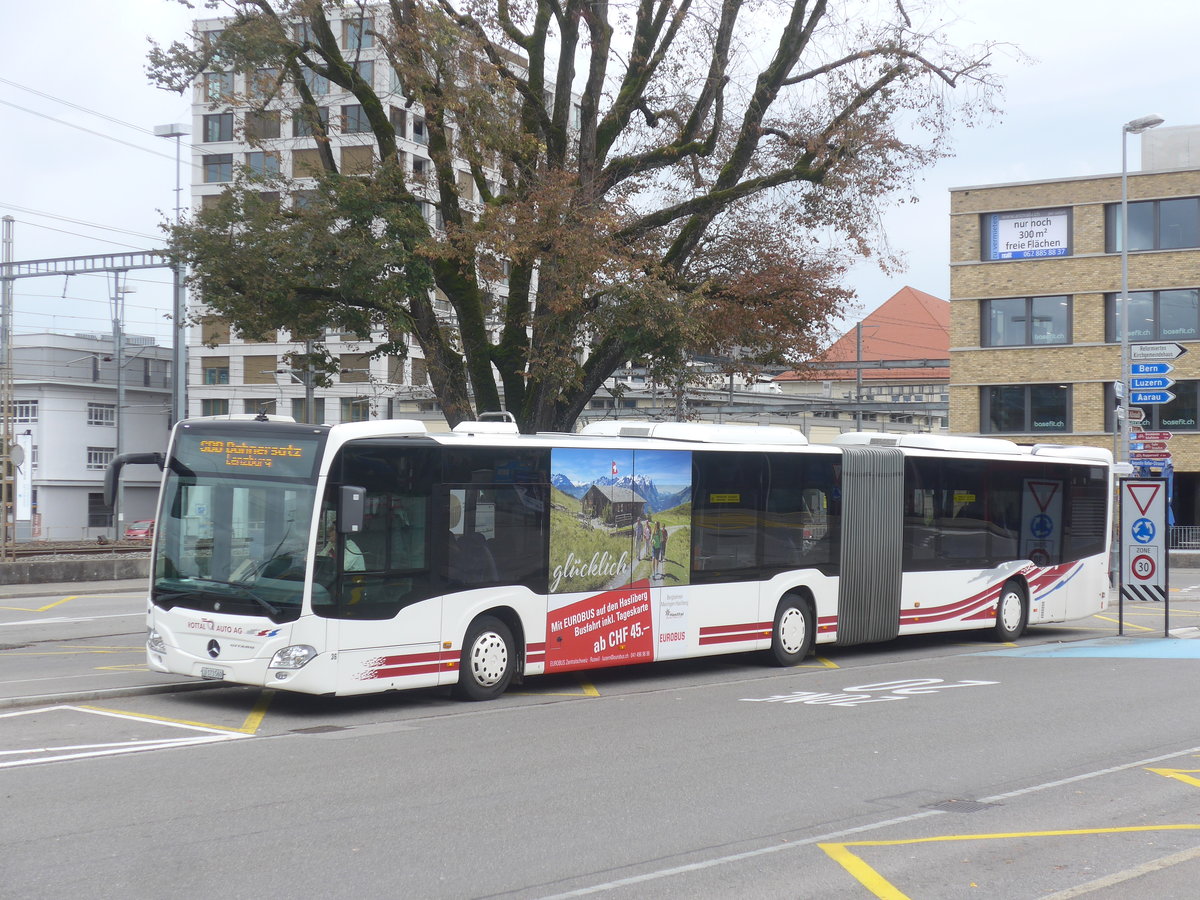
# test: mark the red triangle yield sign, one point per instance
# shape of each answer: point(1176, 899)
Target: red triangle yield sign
point(1143, 495)
point(1043, 492)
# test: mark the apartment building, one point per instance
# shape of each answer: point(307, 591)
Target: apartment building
point(243, 120)
point(1035, 327)
point(65, 389)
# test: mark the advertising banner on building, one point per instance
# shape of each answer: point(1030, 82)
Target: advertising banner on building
point(1032, 234)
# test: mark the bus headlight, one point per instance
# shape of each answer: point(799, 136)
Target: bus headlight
point(154, 642)
point(296, 656)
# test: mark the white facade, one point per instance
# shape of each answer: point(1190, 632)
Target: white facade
point(235, 376)
point(65, 390)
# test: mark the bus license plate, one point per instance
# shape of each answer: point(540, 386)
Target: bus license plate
point(212, 673)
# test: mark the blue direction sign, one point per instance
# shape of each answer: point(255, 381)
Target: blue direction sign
point(1150, 398)
point(1150, 384)
point(1142, 368)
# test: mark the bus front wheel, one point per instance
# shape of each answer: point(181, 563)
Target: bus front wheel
point(793, 631)
point(1012, 613)
point(488, 660)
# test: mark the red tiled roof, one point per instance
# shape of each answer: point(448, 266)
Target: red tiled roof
point(911, 324)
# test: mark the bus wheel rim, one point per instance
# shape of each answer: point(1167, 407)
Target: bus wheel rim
point(791, 630)
point(1010, 610)
point(489, 659)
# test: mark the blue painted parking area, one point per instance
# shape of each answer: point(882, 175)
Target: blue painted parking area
point(1187, 646)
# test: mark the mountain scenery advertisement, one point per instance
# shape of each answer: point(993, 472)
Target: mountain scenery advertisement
point(620, 525)
point(618, 517)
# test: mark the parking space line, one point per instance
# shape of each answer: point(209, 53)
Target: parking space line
point(880, 887)
point(43, 608)
point(249, 726)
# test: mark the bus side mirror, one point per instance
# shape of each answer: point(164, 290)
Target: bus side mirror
point(351, 503)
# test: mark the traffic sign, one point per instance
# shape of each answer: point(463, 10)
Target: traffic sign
point(1150, 445)
point(1154, 383)
point(1164, 350)
point(1135, 414)
point(1143, 567)
point(1151, 398)
point(1151, 454)
point(1160, 368)
point(1155, 436)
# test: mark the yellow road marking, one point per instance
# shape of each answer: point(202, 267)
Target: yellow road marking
point(1130, 624)
point(586, 689)
point(1184, 775)
point(882, 888)
point(43, 608)
point(249, 726)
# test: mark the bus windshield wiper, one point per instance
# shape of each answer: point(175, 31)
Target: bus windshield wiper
point(261, 601)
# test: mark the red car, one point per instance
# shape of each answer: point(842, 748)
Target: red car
point(142, 530)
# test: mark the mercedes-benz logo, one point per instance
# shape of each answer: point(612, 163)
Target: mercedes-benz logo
point(214, 649)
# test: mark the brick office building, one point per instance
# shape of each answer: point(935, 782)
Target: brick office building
point(1035, 343)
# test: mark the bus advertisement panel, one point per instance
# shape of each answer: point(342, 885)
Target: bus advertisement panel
point(620, 530)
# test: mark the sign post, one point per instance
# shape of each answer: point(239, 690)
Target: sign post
point(1145, 544)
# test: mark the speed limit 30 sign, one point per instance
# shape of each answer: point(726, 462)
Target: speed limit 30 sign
point(1144, 539)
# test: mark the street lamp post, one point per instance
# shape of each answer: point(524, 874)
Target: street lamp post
point(1136, 126)
point(178, 310)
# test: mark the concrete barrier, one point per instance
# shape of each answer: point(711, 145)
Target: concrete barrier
point(48, 571)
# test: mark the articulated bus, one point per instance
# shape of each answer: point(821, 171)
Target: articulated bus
point(378, 556)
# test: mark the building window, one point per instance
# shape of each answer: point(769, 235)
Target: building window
point(354, 120)
point(365, 68)
point(102, 414)
point(218, 86)
point(358, 160)
point(1156, 316)
point(1026, 321)
point(356, 409)
point(218, 167)
point(214, 330)
point(300, 414)
point(420, 133)
point(25, 412)
point(262, 406)
point(218, 127)
point(98, 458)
point(355, 367)
point(98, 514)
point(216, 370)
point(358, 34)
point(303, 121)
point(214, 407)
point(261, 126)
point(1181, 414)
point(1155, 224)
point(1025, 409)
point(317, 84)
point(306, 163)
point(261, 85)
point(399, 119)
point(259, 369)
point(262, 163)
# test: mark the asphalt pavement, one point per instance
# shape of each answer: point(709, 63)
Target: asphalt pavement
point(85, 641)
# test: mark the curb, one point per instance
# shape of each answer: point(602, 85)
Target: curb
point(106, 693)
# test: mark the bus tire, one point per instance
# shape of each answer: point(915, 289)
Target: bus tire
point(1012, 613)
point(488, 660)
point(793, 631)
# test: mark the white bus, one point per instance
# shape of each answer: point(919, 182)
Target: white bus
point(378, 556)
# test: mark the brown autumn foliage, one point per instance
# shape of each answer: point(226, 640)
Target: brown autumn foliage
point(606, 183)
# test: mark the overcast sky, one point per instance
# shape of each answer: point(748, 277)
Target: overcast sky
point(74, 190)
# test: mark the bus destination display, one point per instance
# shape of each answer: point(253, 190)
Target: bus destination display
point(286, 458)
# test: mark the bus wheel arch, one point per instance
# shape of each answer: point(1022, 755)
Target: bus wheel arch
point(794, 628)
point(490, 656)
point(1012, 611)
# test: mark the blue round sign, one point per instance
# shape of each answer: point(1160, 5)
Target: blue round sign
point(1142, 530)
point(1041, 526)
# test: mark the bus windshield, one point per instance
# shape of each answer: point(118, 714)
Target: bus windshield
point(234, 525)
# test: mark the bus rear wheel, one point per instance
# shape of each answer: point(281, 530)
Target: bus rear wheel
point(1012, 613)
point(488, 660)
point(793, 631)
